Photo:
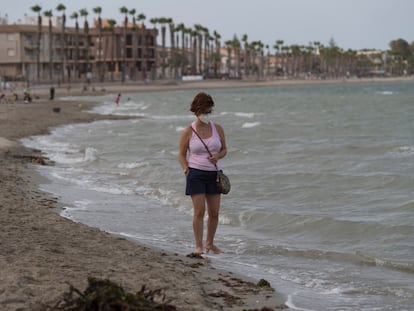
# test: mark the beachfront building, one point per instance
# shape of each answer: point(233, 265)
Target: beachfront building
point(54, 53)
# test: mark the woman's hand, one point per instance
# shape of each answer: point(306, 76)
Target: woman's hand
point(213, 159)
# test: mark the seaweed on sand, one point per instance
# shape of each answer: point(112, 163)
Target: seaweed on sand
point(105, 295)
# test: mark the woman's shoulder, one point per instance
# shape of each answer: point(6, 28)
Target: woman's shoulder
point(188, 129)
point(218, 127)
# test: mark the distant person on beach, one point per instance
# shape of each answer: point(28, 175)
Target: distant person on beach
point(117, 99)
point(26, 96)
point(200, 169)
point(52, 93)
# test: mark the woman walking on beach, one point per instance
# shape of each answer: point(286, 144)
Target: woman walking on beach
point(200, 169)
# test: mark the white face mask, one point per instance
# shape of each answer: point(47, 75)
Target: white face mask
point(205, 118)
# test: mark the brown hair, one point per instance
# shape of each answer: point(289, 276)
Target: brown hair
point(201, 103)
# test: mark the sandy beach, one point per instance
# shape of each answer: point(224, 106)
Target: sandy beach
point(42, 253)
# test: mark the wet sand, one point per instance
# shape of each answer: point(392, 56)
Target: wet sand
point(42, 253)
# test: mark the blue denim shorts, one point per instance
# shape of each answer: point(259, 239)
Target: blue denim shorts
point(199, 181)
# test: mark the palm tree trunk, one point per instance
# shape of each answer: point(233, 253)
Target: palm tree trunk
point(86, 29)
point(163, 30)
point(134, 48)
point(124, 50)
point(50, 50)
point(100, 67)
point(39, 36)
point(76, 75)
point(172, 34)
point(63, 53)
point(113, 55)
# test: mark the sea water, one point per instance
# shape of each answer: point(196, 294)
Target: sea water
point(322, 202)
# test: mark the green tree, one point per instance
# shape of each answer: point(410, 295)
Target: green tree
point(402, 56)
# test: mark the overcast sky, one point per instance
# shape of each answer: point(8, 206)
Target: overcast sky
point(353, 24)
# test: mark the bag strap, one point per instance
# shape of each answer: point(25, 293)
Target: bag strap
point(208, 150)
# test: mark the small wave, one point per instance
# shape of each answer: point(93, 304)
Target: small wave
point(386, 93)
point(357, 258)
point(250, 124)
point(402, 151)
point(131, 165)
point(245, 114)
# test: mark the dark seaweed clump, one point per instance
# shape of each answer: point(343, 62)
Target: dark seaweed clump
point(105, 295)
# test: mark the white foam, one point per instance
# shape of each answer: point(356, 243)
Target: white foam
point(292, 306)
point(402, 151)
point(131, 165)
point(250, 124)
point(245, 114)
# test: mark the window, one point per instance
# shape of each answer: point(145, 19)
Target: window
point(11, 52)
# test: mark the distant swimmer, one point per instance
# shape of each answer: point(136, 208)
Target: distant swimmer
point(117, 99)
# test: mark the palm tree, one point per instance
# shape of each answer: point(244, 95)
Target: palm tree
point(206, 50)
point(124, 11)
point(260, 46)
point(229, 46)
point(181, 28)
point(37, 9)
point(236, 46)
point(278, 46)
point(98, 10)
point(163, 21)
point(172, 43)
point(62, 8)
point(84, 13)
point(142, 17)
point(199, 32)
point(75, 16)
point(246, 66)
point(49, 14)
point(134, 43)
point(190, 61)
point(193, 38)
point(112, 23)
point(217, 54)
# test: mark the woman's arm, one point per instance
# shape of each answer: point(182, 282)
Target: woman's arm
point(223, 150)
point(182, 150)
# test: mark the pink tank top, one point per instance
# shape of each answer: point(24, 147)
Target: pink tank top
point(198, 155)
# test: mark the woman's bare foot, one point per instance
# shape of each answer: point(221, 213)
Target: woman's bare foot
point(199, 250)
point(214, 249)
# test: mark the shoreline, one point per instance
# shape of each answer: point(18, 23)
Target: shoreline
point(94, 89)
point(42, 253)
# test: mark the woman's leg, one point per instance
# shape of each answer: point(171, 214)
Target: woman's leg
point(198, 220)
point(213, 207)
